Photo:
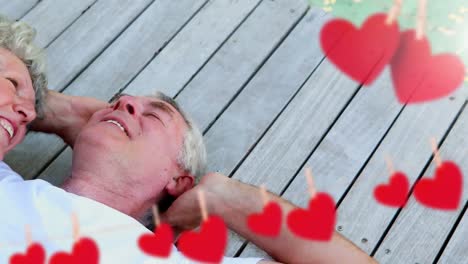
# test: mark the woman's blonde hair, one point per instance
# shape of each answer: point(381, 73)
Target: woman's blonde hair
point(17, 37)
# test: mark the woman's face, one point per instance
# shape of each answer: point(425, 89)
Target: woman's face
point(17, 99)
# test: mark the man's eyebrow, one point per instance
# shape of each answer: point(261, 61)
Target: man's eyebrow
point(162, 106)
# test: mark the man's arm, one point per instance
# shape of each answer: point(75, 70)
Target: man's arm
point(235, 201)
point(65, 115)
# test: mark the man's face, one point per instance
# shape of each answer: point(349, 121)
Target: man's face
point(141, 136)
point(17, 99)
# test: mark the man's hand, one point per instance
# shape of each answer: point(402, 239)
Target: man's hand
point(185, 212)
point(66, 115)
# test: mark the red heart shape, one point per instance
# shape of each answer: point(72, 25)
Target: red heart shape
point(317, 222)
point(361, 53)
point(267, 223)
point(209, 244)
point(84, 251)
point(395, 193)
point(158, 244)
point(418, 76)
point(35, 254)
point(444, 191)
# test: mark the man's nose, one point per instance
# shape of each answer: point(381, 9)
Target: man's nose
point(127, 104)
point(25, 110)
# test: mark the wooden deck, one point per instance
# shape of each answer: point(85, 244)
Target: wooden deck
point(253, 76)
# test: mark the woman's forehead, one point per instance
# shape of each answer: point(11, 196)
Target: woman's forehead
point(11, 61)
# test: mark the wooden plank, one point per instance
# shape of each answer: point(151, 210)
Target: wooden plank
point(190, 49)
point(360, 218)
point(60, 169)
point(244, 121)
point(297, 130)
point(109, 73)
point(239, 58)
point(457, 248)
point(51, 17)
point(88, 36)
point(419, 232)
point(15, 9)
point(336, 159)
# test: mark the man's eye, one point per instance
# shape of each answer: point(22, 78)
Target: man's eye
point(154, 116)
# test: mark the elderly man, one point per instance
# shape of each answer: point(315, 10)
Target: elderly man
point(128, 156)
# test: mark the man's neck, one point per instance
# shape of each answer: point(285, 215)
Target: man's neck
point(124, 201)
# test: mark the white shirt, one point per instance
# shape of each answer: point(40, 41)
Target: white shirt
point(47, 210)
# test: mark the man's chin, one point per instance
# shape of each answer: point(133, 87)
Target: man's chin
point(97, 139)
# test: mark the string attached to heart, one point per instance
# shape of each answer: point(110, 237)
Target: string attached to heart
point(158, 244)
point(317, 222)
point(435, 150)
point(444, 190)
point(84, 250)
point(417, 75)
point(394, 12)
point(75, 227)
point(35, 253)
point(202, 203)
point(209, 244)
point(421, 19)
point(268, 222)
point(28, 234)
point(310, 183)
point(395, 193)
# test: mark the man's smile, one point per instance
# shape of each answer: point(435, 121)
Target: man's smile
point(118, 124)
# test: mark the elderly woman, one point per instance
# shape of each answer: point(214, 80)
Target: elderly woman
point(23, 92)
point(22, 82)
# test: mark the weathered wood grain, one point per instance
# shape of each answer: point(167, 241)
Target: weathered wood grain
point(51, 17)
point(338, 157)
point(239, 58)
point(250, 114)
point(360, 217)
point(190, 49)
point(244, 121)
point(112, 71)
point(298, 129)
point(419, 232)
point(457, 248)
point(88, 36)
point(15, 9)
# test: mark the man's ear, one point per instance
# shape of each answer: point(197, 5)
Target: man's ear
point(180, 185)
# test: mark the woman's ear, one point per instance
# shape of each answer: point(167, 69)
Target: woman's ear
point(180, 185)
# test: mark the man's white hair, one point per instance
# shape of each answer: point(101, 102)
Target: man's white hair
point(192, 157)
point(17, 37)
